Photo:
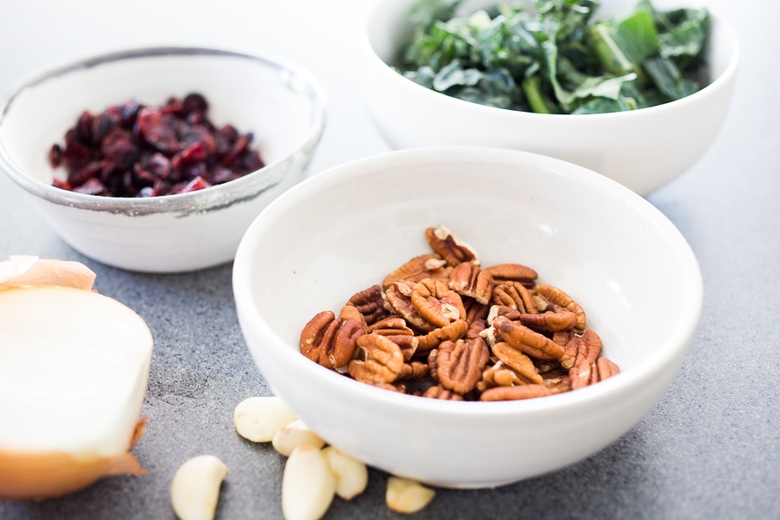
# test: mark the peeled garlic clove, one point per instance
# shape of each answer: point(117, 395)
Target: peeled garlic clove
point(351, 474)
point(195, 487)
point(259, 418)
point(308, 485)
point(293, 435)
point(407, 496)
point(30, 271)
point(74, 367)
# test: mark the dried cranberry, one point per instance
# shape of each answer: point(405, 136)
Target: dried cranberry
point(92, 187)
point(156, 129)
point(55, 155)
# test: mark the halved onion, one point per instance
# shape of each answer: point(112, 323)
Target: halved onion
point(74, 367)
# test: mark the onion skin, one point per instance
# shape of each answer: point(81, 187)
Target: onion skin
point(38, 476)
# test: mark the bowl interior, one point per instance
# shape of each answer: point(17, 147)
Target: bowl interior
point(272, 100)
point(342, 231)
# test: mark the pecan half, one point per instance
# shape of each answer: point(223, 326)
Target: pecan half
point(330, 341)
point(450, 246)
point(588, 350)
point(439, 392)
point(451, 332)
point(551, 321)
point(515, 296)
point(414, 371)
point(437, 303)
point(419, 268)
point(558, 297)
point(460, 364)
point(517, 361)
point(371, 304)
point(378, 360)
point(604, 368)
point(399, 297)
point(467, 279)
point(514, 273)
point(514, 393)
point(498, 374)
point(475, 310)
point(532, 343)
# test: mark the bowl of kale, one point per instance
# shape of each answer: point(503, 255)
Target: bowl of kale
point(636, 90)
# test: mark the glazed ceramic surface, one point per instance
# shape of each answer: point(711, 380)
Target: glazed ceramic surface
point(281, 104)
point(643, 149)
point(342, 230)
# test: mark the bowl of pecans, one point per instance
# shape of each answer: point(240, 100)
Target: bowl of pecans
point(458, 315)
point(158, 159)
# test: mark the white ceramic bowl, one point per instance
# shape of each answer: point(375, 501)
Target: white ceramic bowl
point(281, 104)
point(342, 230)
point(642, 149)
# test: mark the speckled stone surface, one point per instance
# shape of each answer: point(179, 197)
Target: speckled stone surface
point(709, 449)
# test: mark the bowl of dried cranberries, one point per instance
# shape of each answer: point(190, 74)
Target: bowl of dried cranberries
point(158, 159)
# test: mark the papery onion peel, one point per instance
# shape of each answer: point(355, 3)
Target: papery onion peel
point(74, 366)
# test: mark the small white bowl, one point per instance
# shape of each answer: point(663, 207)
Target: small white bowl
point(281, 104)
point(642, 149)
point(342, 230)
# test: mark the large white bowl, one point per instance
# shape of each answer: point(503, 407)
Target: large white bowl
point(642, 149)
point(342, 230)
point(281, 104)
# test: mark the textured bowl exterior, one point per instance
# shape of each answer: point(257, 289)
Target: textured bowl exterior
point(340, 231)
point(642, 149)
point(282, 105)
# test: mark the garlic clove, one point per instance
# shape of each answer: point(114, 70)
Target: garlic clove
point(351, 474)
point(308, 485)
point(259, 418)
point(30, 271)
point(195, 487)
point(407, 496)
point(293, 435)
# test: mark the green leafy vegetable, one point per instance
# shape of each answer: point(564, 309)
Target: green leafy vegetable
point(556, 57)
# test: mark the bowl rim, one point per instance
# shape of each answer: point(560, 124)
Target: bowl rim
point(237, 190)
point(724, 79)
point(667, 356)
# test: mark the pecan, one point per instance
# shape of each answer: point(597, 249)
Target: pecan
point(557, 385)
point(394, 328)
point(515, 296)
point(588, 350)
point(395, 387)
point(452, 331)
point(330, 341)
point(603, 368)
point(433, 365)
point(419, 268)
point(558, 297)
point(450, 246)
point(532, 343)
point(467, 279)
point(371, 304)
point(378, 360)
point(549, 321)
point(475, 310)
point(514, 393)
point(498, 374)
point(391, 326)
point(514, 273)
point(350, 312)
point(401, 302)
point(439, 392)
point(414, 371)
point(437, 303)
point(517, 361)
point(460, 364)
point(475, 328)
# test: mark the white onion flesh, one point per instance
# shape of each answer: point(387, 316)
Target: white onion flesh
point(74, 367)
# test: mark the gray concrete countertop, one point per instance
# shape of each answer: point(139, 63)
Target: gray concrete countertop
point(709, 449)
